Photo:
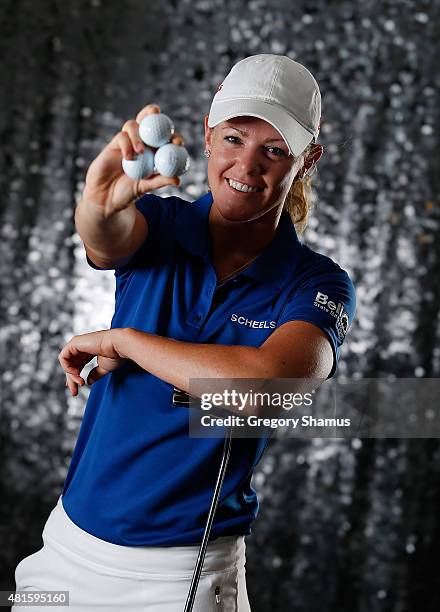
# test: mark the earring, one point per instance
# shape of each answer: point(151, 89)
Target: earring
point(207, 153)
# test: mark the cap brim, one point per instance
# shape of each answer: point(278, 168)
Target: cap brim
point(293, 133)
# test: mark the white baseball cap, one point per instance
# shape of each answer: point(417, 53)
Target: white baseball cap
point(274, 88)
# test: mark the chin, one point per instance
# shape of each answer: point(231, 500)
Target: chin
point(234, 215)
point(239, 214)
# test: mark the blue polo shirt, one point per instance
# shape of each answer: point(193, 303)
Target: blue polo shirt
point(136, 478)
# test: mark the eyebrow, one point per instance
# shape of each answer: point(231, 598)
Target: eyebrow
point(244, 133)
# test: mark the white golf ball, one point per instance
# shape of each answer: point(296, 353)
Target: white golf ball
point(171, 160)
point(156, 129)
point(141, 166)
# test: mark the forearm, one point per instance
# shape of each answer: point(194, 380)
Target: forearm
point(177, 362)
point(108, 236)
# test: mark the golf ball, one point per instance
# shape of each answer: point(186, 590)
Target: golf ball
point(141, 166)
point(156, 129)
point(171, 160)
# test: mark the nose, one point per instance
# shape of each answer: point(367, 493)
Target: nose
point(250, 161)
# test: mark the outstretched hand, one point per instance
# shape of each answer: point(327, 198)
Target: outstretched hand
point(106, 184)
point(83, 348)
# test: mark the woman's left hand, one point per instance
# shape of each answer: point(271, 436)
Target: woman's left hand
point(82, 349)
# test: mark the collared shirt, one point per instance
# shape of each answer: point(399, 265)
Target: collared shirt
point(136, 477)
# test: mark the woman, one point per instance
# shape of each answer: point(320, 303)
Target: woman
point(217, 288)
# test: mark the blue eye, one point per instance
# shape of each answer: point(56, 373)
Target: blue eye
point(276, 150)
point(280, 152)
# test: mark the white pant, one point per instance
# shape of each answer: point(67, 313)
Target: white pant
point(139, 579)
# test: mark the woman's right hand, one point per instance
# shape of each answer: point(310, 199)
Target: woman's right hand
point(106, 183)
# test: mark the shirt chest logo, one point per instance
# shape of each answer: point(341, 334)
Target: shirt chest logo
point(242, 320)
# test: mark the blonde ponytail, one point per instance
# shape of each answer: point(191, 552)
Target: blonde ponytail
point(299, 200)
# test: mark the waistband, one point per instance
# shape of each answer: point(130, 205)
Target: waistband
point(61, 532)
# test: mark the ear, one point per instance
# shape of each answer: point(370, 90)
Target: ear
point(208, 134)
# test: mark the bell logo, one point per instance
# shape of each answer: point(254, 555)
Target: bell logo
point(336, 310)
point(322, 298)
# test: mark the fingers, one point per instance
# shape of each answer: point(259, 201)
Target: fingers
point(131, 143)
point(95, 374)
point(69, 360)
point(129, 139)
point(147, 110)
point(73, 360)
point(177, 139)
point(156, 181)
point(72, 382)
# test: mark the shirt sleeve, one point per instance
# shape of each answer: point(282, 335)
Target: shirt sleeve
point(328, 300)
point(159, 213)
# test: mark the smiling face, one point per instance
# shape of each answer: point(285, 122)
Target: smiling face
point(249, 151)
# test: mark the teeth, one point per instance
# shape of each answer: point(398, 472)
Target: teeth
point(241, 186)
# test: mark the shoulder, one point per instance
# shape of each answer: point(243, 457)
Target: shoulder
point(317, 268)
point(321, 292)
